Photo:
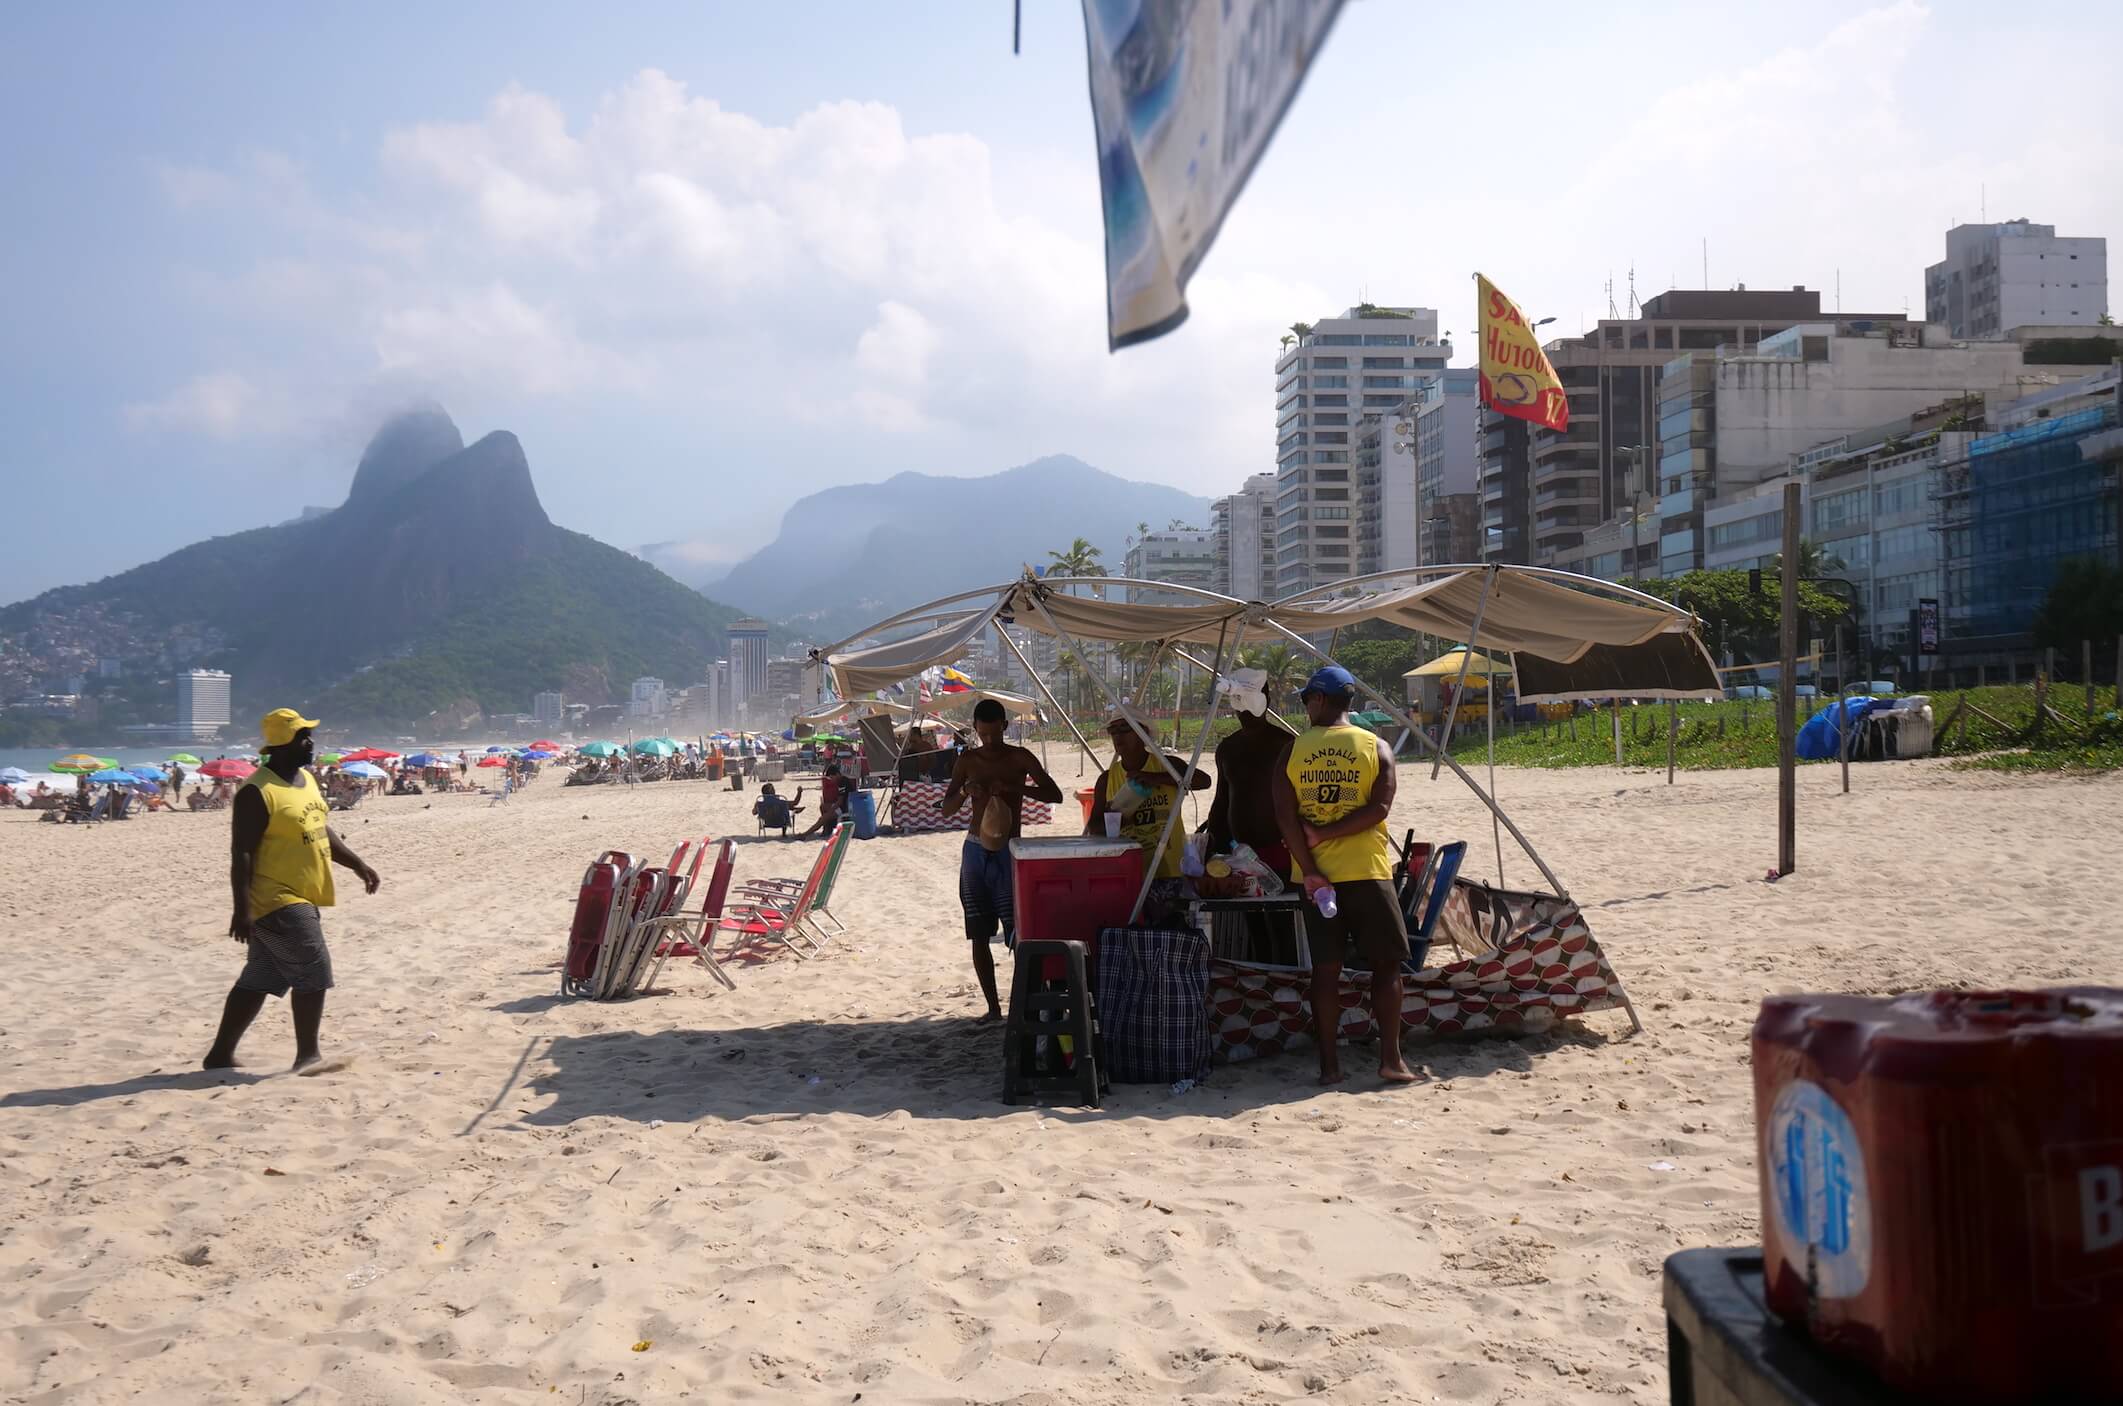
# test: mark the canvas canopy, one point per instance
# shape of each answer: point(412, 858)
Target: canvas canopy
point(1522, 611)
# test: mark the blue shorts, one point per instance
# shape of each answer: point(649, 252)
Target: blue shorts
point(987, 890)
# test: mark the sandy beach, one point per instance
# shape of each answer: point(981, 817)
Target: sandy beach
point(808, 1189)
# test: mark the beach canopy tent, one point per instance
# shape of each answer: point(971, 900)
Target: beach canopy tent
point(1565, 636)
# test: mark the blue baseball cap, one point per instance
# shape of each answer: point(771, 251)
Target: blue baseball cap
point(1331, 680)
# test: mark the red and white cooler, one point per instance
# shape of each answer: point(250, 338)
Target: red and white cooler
point(1942, 1187)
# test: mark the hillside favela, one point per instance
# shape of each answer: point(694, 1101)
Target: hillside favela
point(1243, 702)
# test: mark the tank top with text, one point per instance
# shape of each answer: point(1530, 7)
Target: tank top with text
point(1332, 770)
point(1146, 822)
point(294, 859)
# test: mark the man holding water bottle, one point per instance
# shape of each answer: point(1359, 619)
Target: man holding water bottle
point(1332, 794)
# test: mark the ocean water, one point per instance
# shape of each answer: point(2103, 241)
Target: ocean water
point(36, 760)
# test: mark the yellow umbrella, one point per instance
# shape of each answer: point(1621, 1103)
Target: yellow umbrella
point(1448, 664)
point(79, 761)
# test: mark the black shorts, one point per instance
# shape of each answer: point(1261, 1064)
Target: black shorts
point(287, 952)
point(1367, 920)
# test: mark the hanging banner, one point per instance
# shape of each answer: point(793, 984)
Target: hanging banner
point(1516, 376)
point(1184, 97)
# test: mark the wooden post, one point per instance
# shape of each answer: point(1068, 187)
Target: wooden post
point(1617, 706)
point(1673, 732)
point(2086, 672)
point(1982, 676)
point(2119, 672)
point(1787, 692)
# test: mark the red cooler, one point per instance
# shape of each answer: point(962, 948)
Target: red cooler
point(1942, 1187)
point(1068, 888)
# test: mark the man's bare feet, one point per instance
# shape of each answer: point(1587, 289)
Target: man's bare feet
point(213, 1061)
point(1333, 1075)
point(989, 1016)
point(1398, 1074)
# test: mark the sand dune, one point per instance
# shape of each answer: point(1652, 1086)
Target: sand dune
point(809, 1190)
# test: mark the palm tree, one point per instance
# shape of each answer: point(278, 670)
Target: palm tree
point(1814, 561)
point(1072, 674)
point(1301, 330)
point(1079, 559)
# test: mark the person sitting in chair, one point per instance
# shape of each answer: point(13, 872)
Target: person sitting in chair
point(832, 799)
point(774, 811)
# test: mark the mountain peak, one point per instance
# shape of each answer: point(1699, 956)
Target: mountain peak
point(405, 447)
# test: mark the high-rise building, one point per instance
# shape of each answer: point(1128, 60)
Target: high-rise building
point(721, 707)
point(1543, 491)
point(1244, 524)
point(1185, 556)
point(748, 659)
point(647, 699)
point(1387, 522)
point(202, 702)
point(550, 709)
point(1444, 427)
point(1996, 277)
point(1332, 372)
point(1733, 419)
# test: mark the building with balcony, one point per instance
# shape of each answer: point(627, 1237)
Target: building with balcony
point(647, 699)
point(551, 709)
point(1998, 277)
point(1370, 359)
point(1185, 556)
point(748, 660)
point(203, 707)
point(1445, 428)
point(1735, 418)
point(1543, 491)
point(1244, 525)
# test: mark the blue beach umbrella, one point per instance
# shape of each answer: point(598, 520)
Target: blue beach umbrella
point(13, 776)
point(148, 771)
point(366, 770)
point(428, 759)
point(113, 776)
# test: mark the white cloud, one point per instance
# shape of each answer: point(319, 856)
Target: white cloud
point(222, 404)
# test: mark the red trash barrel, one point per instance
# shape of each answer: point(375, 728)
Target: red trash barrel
point(1942, 1186)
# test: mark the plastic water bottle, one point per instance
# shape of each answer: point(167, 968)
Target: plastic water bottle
point(1324, 900)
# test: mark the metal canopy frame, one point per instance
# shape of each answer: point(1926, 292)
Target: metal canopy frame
point(1255, 616)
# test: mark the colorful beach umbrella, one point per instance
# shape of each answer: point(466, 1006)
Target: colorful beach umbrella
point(185, 759)
point(428, 759)
point(113, 776)
point(227, 769)
point(492, 761)
point(149, 771)
point(534, 755)
point(13, 776)
point(330, 758)
point(367, 754)
point(492, 750)
point(654, 747)
point(544, 746)
point(77, 763)
point(368, 771)
point(600, 749)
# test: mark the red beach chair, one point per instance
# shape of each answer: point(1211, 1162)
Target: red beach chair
point(693, 934)
point(785, 918)
point(601, 886)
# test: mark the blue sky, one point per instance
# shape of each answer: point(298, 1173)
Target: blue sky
point(703, 259)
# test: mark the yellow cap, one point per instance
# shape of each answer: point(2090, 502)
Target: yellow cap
point(281, 725)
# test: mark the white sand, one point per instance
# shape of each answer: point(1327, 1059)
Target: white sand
point(836, 1203)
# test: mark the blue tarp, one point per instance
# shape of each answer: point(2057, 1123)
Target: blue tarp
point(1821, 738)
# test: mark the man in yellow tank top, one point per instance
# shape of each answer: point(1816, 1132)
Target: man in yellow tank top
point(281, 853)
point(1332, 795)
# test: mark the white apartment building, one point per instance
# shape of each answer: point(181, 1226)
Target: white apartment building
point(1445, 426)
point(1185, 556)
point(647, 699)
point(748, 659)
point(1244, 524)
point(1369, 359)
point(549, 708)
point(202, 702)
point(1996, 277)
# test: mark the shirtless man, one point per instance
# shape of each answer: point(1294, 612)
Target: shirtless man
point(1246, 761)
point(996, 776)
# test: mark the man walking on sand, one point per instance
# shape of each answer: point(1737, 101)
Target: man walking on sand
point(281, 853)
point(1332, 794)
point(995, 776)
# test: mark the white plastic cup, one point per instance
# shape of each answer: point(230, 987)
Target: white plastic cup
point(1112, 819)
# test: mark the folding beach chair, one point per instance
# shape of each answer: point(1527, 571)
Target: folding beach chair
point(838, 842)
point(787, 920)
point(1423, 901)
point(637, 942)
point(693, 934)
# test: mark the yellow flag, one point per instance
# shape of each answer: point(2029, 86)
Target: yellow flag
point(1516, 376)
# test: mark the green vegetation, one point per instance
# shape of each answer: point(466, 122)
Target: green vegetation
point(2073, 351)
point(583, 617)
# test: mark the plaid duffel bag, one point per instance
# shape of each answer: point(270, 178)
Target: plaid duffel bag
point(1153, 1004)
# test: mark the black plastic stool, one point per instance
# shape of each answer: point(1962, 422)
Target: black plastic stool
point(1036, 1011)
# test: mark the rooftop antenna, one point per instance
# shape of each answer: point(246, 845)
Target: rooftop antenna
point(1017, 25)
point(1636, 309)
point(1983, 202)
point(1706, 261)
point(1839, 290)
point(1612, 311)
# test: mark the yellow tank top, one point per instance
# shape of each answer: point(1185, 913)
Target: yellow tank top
point(1332, 770)
point(294, 859)
point(1146, 822)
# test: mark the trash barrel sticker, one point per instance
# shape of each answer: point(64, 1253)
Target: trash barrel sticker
point(1821, 1200)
